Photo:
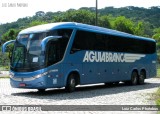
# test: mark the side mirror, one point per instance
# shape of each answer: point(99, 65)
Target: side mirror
point(4, 48)
point(6, 44)
point(47, 39)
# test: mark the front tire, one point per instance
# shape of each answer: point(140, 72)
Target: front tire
point(71, 83)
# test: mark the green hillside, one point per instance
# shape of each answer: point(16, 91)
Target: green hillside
point(134, 20)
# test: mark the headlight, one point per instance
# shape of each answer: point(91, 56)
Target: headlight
point(40, 75)
point(26, 79)
point(11, 74)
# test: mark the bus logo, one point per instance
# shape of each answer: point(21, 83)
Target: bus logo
point(92, 56)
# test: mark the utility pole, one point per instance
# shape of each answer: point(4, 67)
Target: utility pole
point(96, 21)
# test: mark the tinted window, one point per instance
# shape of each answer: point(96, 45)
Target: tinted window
point(85, 40)
point(55, 51)
point(122, 44)
point(60, 32)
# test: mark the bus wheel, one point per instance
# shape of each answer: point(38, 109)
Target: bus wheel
point(41, 90)
point(71, 83)
point(134, 78)
point(141, 78)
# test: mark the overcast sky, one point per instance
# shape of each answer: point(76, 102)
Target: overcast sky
point(10, 10)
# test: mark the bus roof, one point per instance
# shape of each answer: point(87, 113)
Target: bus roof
point(58, 25)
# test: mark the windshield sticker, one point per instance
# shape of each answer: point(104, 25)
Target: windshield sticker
point(35, 59)
point(31, 36)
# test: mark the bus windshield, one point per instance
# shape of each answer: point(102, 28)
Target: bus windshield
point(27, 54)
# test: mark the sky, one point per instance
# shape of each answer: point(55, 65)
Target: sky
point(11, 10)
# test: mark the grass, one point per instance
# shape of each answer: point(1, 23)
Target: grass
point(157, 97)
point(4, 68)
point(157, 94)
point(2, 77)
point(158, 72)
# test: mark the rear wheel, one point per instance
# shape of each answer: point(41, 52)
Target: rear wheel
point(134, 78)
point(71, 83)
point(141, 78)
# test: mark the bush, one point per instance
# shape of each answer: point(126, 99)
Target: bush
point(4, 61)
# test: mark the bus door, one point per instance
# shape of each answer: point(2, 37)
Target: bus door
point(54, 55)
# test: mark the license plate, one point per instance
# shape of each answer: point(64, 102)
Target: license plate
point(22, 85)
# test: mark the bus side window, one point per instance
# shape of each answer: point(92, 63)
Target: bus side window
point(100, 42)
point(79, 42)
point(84, 40)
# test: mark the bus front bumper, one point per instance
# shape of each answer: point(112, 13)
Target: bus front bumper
point(36, 80)
point(39, 83)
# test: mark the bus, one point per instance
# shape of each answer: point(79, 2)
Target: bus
point(67, 54)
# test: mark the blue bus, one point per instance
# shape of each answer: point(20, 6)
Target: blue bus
point(67, 54)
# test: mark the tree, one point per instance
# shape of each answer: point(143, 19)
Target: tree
point(123, 24)
point(81, 16)
point(156, 36)
point(139, 29)
point(104, 22)
point(4, 61)
point(149, 18)
point(11, 34)
point(34, 23)
point(40, 13)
